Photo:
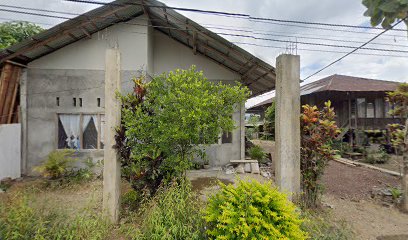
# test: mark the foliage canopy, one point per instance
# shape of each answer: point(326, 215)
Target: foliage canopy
point(318, 130)
point(14, 32)
point(386, 12)
point(166, 122)
point(252, 210)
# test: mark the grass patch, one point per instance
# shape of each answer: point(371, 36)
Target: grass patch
point(320, 225)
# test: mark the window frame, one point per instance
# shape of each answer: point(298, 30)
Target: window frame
point(81, 131)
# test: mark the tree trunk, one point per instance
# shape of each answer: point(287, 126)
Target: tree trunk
point(405, 171)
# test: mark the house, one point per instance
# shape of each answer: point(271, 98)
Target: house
point(61, 74)
point(359, 103)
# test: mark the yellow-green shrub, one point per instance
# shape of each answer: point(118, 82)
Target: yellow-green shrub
point(252, 210)
point(57, 164)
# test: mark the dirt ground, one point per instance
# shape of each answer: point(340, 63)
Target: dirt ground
point(349, 191)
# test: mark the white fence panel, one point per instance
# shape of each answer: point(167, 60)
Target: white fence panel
point(10, 151)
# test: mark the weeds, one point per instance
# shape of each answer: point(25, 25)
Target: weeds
point(173, 213)
point(257, 153)
point(320, 226)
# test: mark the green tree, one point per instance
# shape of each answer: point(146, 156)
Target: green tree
point(386, 12)
point(167, 122)
point(318, 129)
point(254, 121)
point(399, 98)
point(269, 126)
point(14, 32)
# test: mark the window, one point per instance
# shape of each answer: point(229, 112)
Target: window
point(370, 110)
point(74, 102)
point(361, 107)
point(98, 102)
point(387, 107)
point(80, 102)
point(226, 137)
point(58, 103)
point(80, 131)
point(379, 108)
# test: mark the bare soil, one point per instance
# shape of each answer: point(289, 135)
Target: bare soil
point(349, 192)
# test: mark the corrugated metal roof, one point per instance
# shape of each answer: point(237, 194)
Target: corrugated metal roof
point(258, 75)
point(341, 83)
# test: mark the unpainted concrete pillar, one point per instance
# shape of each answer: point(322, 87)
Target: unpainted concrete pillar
point(287, 124)
point(111, 170)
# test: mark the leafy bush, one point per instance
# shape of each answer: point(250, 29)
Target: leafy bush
point(257, 153)
point(252, 210)
point(131, 200)
point(269, 126)
point(318, 130)
point(377, 157)
point(57, 164)
point(165, 121)
point(21, 221)
point(174, 213)
point(342, 147)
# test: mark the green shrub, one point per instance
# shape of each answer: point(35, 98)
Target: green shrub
point(252, 210)
point(377, 157)
point(173, 213)
point(257, 153)
point(320, 226)
point(395, 193)
point(21, 219)
point(57, 164)
point(131, 200)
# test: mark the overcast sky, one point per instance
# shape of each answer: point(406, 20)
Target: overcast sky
point(329, 11)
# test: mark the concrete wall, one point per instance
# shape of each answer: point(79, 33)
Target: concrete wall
point(78, 71)
point(10, 152)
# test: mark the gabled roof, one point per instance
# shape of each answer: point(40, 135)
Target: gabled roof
point(341, 83)
point(258, 75)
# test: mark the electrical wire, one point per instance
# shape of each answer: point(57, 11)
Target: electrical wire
point(236, 35)
point(231, 14)
point(318, 50)
point(354, 50)
point(222, 28)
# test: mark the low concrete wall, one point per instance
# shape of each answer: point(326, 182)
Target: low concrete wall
point(10, 151)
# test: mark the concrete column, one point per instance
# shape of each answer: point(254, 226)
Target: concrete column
point(111, 170)
point(23, 119)
point(287, 124)
point(242, 130)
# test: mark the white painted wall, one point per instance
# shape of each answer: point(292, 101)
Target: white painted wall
point(89, 54)
point(10, 151)
point(170, 54)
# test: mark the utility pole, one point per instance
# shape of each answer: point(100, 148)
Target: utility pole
point(287, 124)
point(111, 168)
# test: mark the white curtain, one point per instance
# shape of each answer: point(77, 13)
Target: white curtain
point(71, 124)
point(87, 118)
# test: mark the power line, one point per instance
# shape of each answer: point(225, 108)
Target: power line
point(39, 9)
point(235, 35)
point(356, 49)
point(77, 14)
point(315, 44)
point(238, 15)
point(35, 14)
point(318, 50)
